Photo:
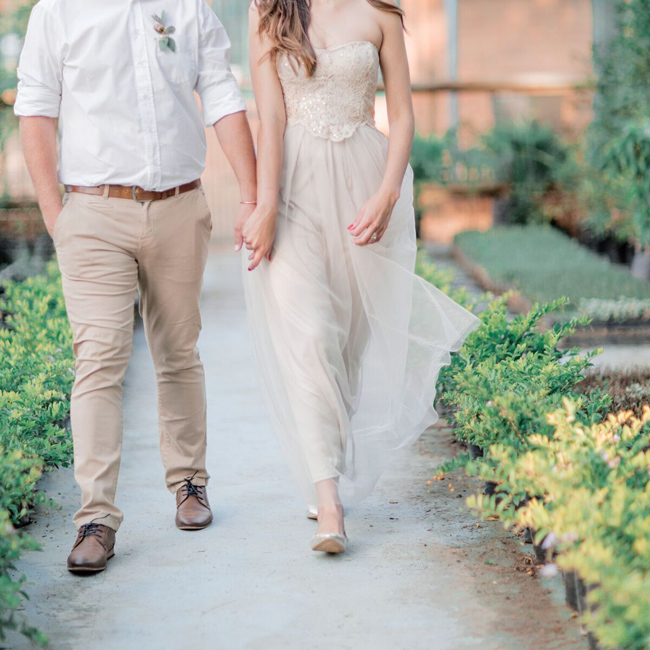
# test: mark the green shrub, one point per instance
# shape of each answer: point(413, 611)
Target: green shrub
point(558, 464)
point(531, 160)
point(585, 490)
point(441, 160)
point(18, 476)
point(36, 376)
point(618, 144)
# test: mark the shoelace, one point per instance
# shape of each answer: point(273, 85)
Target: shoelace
point(90, 530)
point(191, 490)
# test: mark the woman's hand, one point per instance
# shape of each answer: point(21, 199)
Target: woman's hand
point(259, 233)
point(373, 218)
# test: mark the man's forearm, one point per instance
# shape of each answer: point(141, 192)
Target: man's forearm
point(235, 137)
point(39, 146)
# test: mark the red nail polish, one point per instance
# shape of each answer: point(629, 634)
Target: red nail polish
point(350, 227)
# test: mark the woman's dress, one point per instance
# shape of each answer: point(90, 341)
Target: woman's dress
point(348, 340)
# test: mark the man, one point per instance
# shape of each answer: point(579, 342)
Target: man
point(120, 77)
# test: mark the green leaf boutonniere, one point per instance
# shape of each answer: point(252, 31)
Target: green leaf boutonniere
point(166, 42)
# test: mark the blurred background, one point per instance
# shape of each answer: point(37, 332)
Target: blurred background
point(507, 96)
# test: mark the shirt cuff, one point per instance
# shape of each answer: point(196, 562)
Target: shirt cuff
point(37, 104)
point(217, 107)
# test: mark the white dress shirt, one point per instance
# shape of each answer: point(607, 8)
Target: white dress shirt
point(126, 108)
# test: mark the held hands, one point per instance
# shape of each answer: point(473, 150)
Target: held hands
point(243, 215)
point(373, 218)
point(258, 234)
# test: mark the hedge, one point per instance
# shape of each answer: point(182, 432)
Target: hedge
point(556, 462)
point(36, 376)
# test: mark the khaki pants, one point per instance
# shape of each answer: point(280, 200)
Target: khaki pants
point(106, 249)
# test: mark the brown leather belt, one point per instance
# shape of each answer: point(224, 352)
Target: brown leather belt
point(134, 193)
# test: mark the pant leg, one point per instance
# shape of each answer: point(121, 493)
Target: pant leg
point(95, 239)
point(172, 261)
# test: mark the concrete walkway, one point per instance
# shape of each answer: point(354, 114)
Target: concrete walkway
point(421, 573)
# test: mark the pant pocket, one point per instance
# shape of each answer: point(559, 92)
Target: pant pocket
point(67, 201)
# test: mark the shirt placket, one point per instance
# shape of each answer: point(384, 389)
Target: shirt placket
point(145, 96)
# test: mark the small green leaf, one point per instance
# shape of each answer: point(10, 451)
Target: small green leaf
point(171, 29)
point(162, 17)
point(163, 43)
point(171, 44)
point(157, 18)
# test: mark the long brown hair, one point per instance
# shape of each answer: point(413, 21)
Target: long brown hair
point(286, 24)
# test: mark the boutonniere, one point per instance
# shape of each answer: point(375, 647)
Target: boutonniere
point(166, 42)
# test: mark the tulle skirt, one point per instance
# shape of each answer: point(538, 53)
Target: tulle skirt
point(348, 340)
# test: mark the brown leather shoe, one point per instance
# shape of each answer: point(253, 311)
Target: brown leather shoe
point(95, 545)
point(192, 507)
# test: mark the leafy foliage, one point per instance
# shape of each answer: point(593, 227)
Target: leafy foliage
point(619, 137)
point(559, 464)
point(441, 160)
point(585, 490)
point(531, 160)
point(36, 376)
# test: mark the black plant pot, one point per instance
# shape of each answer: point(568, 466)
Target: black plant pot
point(593, 642)
point(475, 451)
point(490, 488)
point(576, 591)
point(529, 535)
point(540, 553)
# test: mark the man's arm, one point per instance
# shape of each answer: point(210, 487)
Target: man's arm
point(225, 108)
point(235, 137)
point(39, 145)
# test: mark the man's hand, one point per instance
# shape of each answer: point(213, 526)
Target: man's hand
point(236, 140)
point(51, 216)
point(245, 211)
point(39, 146)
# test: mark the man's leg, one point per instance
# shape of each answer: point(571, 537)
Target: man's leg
point(94, 243)
point(172, 261)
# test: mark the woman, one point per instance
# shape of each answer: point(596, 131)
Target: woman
point(348, 340)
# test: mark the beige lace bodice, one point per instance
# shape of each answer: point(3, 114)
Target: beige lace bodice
point(339, 97)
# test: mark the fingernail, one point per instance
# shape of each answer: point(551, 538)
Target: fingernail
point(250, 269)
point(237, 249)
point(350, 227)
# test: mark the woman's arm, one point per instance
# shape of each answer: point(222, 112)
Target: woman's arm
point(259, 230)
point(374, 216)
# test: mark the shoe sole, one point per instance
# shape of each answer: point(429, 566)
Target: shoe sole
point(86, 570)
point(329, 546)
point(193, 527)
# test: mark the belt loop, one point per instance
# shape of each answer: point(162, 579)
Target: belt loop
point(107, 189)
point(177, 191)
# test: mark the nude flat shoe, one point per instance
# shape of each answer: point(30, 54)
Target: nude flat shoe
point(329, 543)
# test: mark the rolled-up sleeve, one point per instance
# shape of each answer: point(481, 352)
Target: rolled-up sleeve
point(216, 85)
point(40, 67)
